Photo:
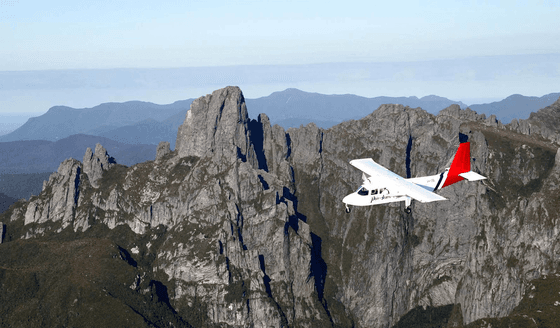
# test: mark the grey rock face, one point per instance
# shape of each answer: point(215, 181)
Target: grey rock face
point(385, 263)
point(216, 124)
point(245, 225)
point(545, 123)
point(162, 150)
point(235, 252)
point(59, 199)
point(97, 162)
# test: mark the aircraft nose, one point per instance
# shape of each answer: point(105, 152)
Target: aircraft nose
point(347, 199)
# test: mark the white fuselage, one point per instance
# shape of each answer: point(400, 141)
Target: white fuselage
point(368, 194)
point(356, 199)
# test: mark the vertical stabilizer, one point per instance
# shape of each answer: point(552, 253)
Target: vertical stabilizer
point(461, 164)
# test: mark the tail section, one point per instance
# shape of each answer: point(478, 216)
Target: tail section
point(461, 167)
point(461, 164)
point(460, 170)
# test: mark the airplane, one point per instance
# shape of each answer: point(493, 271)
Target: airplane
point(381, 186)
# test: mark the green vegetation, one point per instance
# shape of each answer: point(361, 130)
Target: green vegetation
point(440, 141)
point(431, 317)
point(512, 262)
point(53, 282)
point(517, 156)
point(236, 292)
point(193, 310)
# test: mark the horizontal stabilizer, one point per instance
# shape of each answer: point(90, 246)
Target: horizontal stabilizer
point(472, 176)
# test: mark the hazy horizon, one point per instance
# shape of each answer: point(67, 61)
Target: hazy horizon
point(470, 80)
point(82, 54)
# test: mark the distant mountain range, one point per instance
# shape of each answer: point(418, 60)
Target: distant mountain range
point(293, 107)
point(18, 186)
point(515, 106)
point(31, 156)
point(60, 121)
point(148, 131)
point(137, 122)
point(25, 164)
point(5, 202)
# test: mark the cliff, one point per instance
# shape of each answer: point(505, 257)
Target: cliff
point(243, 225)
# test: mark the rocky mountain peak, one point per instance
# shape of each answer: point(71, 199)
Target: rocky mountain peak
point(216, 125)
point(456, 112)
point(544, 122)
point(556, 104)
point(97, 162)
point(63, 190)
point(243, 224)
point(388, 109)
point(163, 149)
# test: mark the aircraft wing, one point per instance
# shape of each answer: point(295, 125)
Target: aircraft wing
point(394, 182)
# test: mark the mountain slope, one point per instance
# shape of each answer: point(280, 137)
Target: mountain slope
point(248, 282)
point(139, 122)
point(22, 185)
point(143, 122)
point(515, 106)
point(24, 165)
point(243, 224)
point(39, 155)
point(60, 122)
point(5, 202)
point(148, 131)
point(89, 276)
point(292, 106)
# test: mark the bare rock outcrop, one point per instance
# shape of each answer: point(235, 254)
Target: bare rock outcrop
point(58, 201)
point(471, 250)
point(235, 251)
point(216, 125)
point(96, 162)
point(545, 122)
point(244, 226)
point(162, 150)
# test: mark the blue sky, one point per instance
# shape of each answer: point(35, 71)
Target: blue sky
point(112, 34)
point(472, 51)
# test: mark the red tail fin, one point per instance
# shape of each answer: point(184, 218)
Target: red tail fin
point(461, 164)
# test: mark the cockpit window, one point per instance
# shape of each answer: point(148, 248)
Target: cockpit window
point(363, 191)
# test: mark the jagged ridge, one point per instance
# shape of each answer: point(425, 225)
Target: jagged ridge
point(243, 222)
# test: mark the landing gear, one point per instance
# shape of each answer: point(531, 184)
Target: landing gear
point(347, 209)
point(407, 208)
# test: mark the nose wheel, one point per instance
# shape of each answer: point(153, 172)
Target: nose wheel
point(347, 209)
point(408, 210)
